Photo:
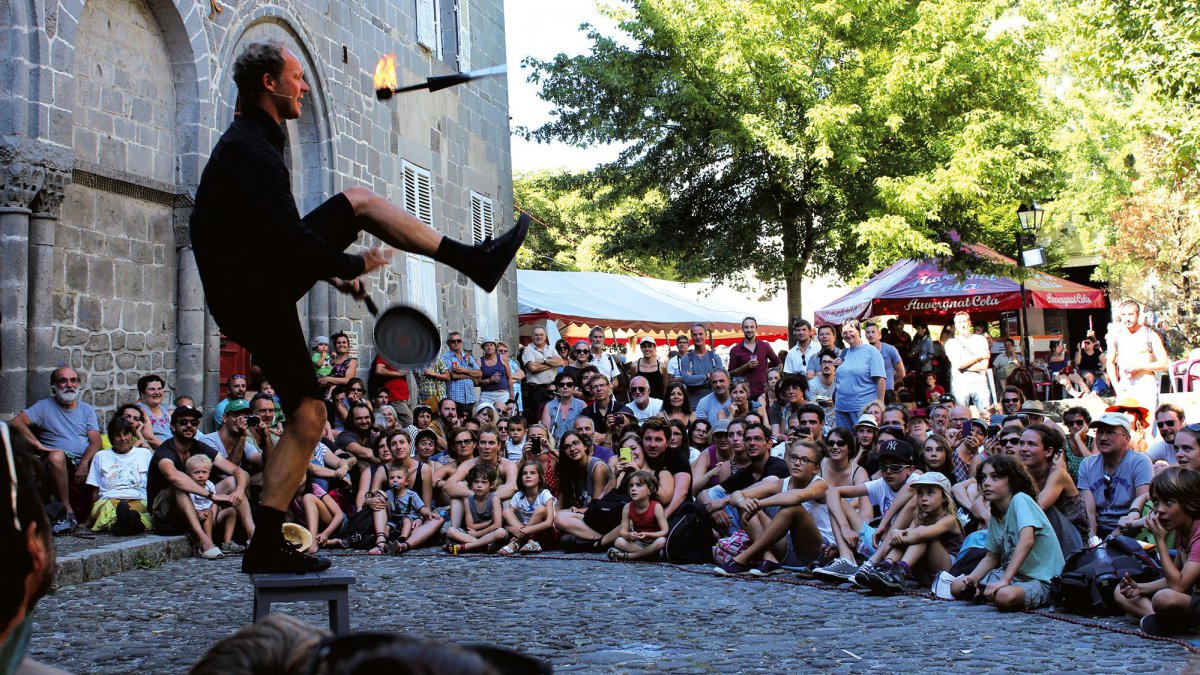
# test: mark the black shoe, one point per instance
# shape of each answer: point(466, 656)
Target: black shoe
point(496, 254)
point(280, 558)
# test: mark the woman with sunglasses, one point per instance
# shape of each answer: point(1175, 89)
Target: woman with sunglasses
point(1038, 449)
point(839, 469)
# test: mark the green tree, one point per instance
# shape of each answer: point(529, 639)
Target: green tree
point(794, 138)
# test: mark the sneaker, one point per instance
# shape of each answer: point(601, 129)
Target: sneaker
point(863, 577)
point(279, 557)
point(232, 548)
point(732, 568)
point(765, 568)
point(63, 526)
point(838, 571)
point(891, 580)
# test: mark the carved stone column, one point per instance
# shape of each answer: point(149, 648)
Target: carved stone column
point(42, 224)
point(19, 183)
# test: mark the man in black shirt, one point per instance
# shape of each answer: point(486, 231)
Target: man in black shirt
point(762, 464)
point(169, 487)
point(245, 207)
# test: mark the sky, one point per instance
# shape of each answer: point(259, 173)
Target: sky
point(543, 29)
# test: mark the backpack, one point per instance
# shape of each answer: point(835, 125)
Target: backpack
point(360, 530)
point(690, 536)
point(1091, 575)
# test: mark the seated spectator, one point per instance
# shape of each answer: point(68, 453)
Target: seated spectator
point(359, 436)
point(150, 399)
point(198, 468)
point(698, 433)
point(277, 643)
point(643, 532)
point(394, 388)
point(641, 404)
point(462, 450)
point(585, 427)
point(714, 463)
point(65, 431)
point(139, 424)
point(119, 477)
point(581, 477)
point(1022, 551)
point(715, 405)
point(787, 520)
point(530, 513)
point(406, 511)
point(1111, 480)
point(918, 425)
point(839, 469)
point(456, 486)
point(313, 507)
point(866, 436)
point(1166, 606)
point(1039, 449)
point(447, 421)
point(935, 456)
point(235, 390)
point(676, 405)
point(514, 445)
point(854, 534)
point(387, 415)
point(232, 439)
point(655, 445)
point(483, 522)
point(1169, 418)
point(741, 404)
point(169, 487)
point(927, 548)
point(717, 500)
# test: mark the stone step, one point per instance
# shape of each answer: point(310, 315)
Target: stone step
point(103, 561)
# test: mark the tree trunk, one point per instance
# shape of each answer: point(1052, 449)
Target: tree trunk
point(793, 280)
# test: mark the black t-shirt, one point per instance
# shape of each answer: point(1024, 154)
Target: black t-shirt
point(347, 437)
point(677, 462)
point(155, 481)
point(740, 480)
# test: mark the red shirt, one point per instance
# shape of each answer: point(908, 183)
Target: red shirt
point(739, 356)
point(397, 387)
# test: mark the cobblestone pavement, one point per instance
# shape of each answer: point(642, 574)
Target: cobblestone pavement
point(585, 615)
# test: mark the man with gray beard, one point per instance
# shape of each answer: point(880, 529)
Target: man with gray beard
point(66, 433)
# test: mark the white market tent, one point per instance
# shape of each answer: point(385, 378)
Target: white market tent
point(634, 306)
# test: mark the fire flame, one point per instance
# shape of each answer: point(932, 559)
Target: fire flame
point(385, 73)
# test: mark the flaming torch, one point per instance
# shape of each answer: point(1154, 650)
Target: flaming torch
point(385, 78)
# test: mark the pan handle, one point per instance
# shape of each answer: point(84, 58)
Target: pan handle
point(371, 307)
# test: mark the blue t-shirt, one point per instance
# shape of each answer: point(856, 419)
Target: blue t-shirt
point(1115, 495)
point(1045, 559)
point(855, 381)
point(890, 358)
point(709, 407)
point(62, 429)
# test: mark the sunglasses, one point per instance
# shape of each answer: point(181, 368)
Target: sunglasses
point(1109, 488)
point(892, 468)
point(1012, 441)
point(454, 342)
point(1012, 400)
point(1166, 425)
point(581, 351)
point(837, 444)
point(1078, 423)
point(187, 422)
point(639, 389)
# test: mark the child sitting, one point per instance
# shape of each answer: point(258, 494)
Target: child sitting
point(1166, 606)
point(531, 510)
point(483, 524)
point(406, 510)
point(852, 532)
point(930, 546)
point(199, 467)
point(643, 521)
point(1022, 552)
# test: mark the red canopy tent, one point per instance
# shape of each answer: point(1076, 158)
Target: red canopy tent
point(912, 288)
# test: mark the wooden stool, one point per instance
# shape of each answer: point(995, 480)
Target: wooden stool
point(331, 585)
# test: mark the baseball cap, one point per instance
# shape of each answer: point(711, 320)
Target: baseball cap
point(947, 398)
point(236, 406)
point(933, 478)
point(486, 340)
point(1113, 419)
point(720, 427)
point(866, 420)
point(646, 339)
point(899, 449)
point(186, 411)
point(916, 413)
point(321, 340)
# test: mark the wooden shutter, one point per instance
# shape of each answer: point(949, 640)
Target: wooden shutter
point(463, 13)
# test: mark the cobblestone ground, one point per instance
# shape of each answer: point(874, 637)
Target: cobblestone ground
point(585, 615)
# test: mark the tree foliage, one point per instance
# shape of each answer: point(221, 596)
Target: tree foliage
point(794, 138)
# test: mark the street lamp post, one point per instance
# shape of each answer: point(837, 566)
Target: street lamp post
point(1030, 218)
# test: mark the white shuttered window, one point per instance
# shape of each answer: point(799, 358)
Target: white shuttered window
point(463, 14)
point(428, 35)
point(487, 305)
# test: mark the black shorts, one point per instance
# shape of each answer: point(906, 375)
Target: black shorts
point(269, 327)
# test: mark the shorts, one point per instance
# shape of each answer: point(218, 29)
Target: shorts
point(866, 540)
point(269, 327)
point(1037, 593)
point(167, 518)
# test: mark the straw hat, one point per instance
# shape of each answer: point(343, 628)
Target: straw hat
point(298, 536)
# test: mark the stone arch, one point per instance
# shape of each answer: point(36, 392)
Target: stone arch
point(181, 23)
point(310, 144)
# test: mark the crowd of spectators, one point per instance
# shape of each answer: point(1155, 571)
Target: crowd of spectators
point(843, 458)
